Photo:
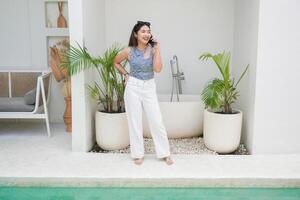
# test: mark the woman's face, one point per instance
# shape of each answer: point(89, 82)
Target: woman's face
point(143, 35)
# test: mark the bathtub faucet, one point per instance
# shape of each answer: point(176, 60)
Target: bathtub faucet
point(177, 77)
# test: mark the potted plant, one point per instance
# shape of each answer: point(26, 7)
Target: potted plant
point(222, 125)
point(111, 122)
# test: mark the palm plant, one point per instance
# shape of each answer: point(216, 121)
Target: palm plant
point(110, 92)
point(220, 94)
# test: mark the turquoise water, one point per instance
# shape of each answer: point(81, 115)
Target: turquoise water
point(83, 193)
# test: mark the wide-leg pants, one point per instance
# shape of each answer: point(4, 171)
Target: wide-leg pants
point(138, 95)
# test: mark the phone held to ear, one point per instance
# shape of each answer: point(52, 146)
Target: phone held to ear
point(151, 42)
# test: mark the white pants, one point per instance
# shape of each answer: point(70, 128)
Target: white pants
point(141, 94)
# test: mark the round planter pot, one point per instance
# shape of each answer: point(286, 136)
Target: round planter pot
point(111, 130)
point(222, 132)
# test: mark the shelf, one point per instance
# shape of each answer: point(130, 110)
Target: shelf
point(57, 32)
point(54, 34)
point(52, 12)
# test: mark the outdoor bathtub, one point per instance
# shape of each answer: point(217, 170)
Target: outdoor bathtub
point(182, 119)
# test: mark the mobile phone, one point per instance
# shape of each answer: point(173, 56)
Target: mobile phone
point(151, 42)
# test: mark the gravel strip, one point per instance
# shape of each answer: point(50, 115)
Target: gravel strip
point(194, 145)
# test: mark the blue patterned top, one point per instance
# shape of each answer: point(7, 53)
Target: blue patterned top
point(140, 67)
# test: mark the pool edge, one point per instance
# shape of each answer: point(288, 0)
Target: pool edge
point(148, 182)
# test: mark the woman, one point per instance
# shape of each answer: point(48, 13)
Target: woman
point(143, 55)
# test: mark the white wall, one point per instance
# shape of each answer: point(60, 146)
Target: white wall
point(15, 34)
point(276, 127)
point(23, 44)
point(184, 28)
point(267, 35)
point(86, 28)
point(245, 52)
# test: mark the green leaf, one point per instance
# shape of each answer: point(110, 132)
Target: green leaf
point(78, 59)
point(220, 94)
point(211, 95)
point(242, 75)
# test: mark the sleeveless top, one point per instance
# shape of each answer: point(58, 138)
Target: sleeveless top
point(140, 67)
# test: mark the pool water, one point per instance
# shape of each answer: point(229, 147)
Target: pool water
point(84, 193)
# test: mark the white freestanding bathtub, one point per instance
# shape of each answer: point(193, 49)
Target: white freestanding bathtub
point(182, 119)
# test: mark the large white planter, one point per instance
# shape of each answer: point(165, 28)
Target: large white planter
point(222, 132)
point(111, 130)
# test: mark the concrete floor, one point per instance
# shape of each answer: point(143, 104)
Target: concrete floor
point(30, 158)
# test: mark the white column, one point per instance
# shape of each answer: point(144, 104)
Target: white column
point(79, 123)
point(87, 28)
point(277, 121)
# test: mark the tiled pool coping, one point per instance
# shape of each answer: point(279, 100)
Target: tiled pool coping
point(150, 182)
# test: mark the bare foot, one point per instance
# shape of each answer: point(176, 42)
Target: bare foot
point(168, 160)
point(138, 161)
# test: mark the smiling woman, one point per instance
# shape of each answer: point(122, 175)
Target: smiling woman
point(144, 58)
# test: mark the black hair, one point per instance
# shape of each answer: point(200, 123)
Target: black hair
point(133, 40)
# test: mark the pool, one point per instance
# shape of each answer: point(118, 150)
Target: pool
point(88, 193)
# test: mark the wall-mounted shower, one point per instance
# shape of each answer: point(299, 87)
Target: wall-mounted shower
point(177, 77)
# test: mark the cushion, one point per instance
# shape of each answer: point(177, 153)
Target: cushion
point(14, 104)
point(29, 97)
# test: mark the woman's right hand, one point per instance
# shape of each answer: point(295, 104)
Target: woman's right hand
point(126, 78)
